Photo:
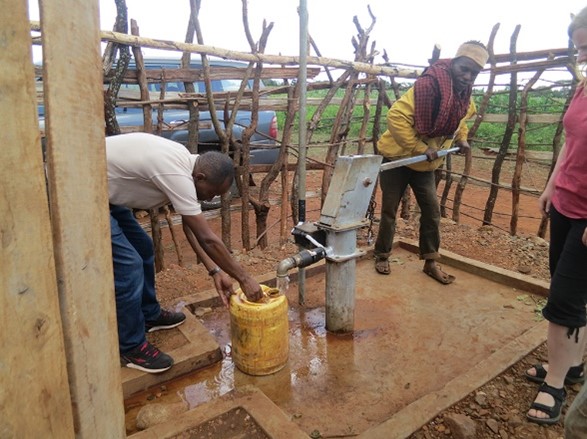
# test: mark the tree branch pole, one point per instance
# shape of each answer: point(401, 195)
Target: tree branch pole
point(151, 43)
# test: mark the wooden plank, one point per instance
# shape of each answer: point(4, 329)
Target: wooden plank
point(34, 392)
point(532, 118)
point(496, 274)
point(78, 193)
point(216, 73)
point(272, 420)
point(200, 350)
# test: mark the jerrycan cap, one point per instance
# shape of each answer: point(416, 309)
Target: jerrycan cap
point(270, 295)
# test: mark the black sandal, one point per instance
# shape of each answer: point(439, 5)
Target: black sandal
point(575, 375)
point(553, 412)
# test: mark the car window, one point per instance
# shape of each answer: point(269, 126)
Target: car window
point(231, 85)
point(129, 87)
point(218, 85)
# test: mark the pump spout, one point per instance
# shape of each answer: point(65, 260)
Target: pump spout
point(300, 260)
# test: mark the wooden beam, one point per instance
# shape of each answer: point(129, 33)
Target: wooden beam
point(534, 55)
point(216, 73)
point(34, 392)
point(175, 46)
point(76, 165)
point(532, 118)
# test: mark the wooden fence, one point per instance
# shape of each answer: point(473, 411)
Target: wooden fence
point(59, 365)
point(360, 83)
point(363, 84)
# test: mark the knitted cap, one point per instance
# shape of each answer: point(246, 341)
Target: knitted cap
point(475, 52)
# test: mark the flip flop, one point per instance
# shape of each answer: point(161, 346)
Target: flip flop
point(444, 278)
point(382, 266)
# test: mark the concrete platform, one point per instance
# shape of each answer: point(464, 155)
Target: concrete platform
point(417, 348)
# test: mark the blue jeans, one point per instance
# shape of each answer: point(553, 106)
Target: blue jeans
point(134, 277)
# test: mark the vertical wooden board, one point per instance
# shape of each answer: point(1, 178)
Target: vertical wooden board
point(76, 160)
point(34, 392)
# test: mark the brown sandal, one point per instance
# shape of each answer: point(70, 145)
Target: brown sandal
point(382, 266)
point(439, 275)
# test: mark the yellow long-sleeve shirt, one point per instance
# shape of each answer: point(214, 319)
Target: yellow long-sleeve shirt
point(401, 139)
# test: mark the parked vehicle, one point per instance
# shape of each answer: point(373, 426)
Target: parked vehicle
point(264, 149)
point(263, 145)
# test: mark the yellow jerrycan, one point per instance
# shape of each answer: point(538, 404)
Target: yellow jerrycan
point(259, 332)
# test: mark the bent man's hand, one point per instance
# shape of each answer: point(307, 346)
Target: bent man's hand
point(252, 289)
point(223, 284)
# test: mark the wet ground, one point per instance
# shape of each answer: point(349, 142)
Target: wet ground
point(414, 341)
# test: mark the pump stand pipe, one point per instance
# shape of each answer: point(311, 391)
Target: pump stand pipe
point(340, 280)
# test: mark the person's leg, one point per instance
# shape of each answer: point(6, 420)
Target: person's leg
point(143, 244)
point(565, 309)
point(559, 230)
point(128, 285)
point(576, 417)
point(563, 348)
point(423, 186)
point(393, 184)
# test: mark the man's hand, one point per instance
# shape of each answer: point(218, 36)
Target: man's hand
point(544, 201)
point(223, 285)
point(431, 154)
point(252, 289)
point(585, 237)
point(463, 146)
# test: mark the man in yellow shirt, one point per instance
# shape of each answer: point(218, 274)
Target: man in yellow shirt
point(429, 117)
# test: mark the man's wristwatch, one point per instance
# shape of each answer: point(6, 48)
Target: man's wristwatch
point(214, 271)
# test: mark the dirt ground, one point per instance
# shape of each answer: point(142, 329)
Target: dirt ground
point(498, 408)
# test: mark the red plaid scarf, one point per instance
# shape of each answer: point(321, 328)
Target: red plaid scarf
point(438, 108)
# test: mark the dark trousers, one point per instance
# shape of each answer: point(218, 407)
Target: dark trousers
point(393, 185)
point(134, 277)
point(568, 269)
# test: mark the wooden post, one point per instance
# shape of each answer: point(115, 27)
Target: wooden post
point(34, 393)
point(76, 165)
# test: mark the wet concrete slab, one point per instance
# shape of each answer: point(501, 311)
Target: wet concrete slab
point(417, 348)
